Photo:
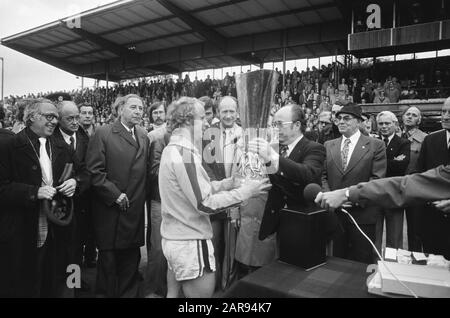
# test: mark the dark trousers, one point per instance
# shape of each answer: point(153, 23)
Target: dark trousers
point(413, 227)
point(118, 273)
point(435, 231)
point(52, 261)
point(218, 241)
point(84, 244)
point(351, 244)
point(156, 272)
point(394, 228)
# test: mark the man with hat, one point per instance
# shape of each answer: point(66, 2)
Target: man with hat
point(352, 159)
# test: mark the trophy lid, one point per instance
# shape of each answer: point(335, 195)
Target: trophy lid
point(255, 93)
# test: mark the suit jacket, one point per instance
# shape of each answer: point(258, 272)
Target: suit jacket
point(4, 133)
point(397, 147)
point(368, 162)
point(416, 140)
point(434, 151)
point(20, 179)
point(213, 159)
point(303, 166)
point(118, 164)
point(80, 151)
point(157, 146)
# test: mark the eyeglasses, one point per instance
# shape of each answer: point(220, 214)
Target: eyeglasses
point(71, 119)
point(344, 118)
point(279, 124)
point(49, 117)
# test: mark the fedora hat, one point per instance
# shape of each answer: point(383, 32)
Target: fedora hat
point(352, 109)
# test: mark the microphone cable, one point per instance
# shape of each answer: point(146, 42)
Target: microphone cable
point(379, 255)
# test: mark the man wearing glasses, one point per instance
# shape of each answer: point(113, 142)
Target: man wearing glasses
point(298, 163)
point(31, 165)
point(352, 159)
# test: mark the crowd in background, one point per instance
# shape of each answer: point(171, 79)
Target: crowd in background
point(315, 90)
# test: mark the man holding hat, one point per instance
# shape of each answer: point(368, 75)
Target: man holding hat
point(352, 159)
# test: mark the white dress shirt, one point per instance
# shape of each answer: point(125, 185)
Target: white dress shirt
point(292, 145)
point(67, 138)
point(353, 141)
point(131, 131)
point(448, 139)
point(389, 138)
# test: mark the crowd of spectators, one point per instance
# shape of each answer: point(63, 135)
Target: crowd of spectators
point(315, 90)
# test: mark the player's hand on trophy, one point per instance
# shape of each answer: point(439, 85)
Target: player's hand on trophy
point(236, 181)
point(257, 186)
point(263, 149)
point(123, 202)
point(443, 205)
point(68, 187)
point(46, 193)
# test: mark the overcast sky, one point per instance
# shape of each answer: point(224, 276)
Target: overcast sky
point(24, 74)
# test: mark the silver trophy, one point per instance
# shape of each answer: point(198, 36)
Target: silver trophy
point(255, 93)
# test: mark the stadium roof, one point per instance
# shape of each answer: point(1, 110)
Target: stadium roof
point(129, 39)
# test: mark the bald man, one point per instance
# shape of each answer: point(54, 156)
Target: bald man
point(412, 118)
point(71, 133)
point(220, 140)
point(411, 121)
point(298, 163)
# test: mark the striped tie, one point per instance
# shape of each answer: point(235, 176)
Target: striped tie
point(344, 153)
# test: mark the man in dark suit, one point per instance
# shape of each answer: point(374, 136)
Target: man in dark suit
point(411, 122)
point(70, 132)
point(298, 163)
point(220, 141)
point(398, 154)
point(117, 159)
point(5, 133)
point(33, 256)
point(90, 251)
point(352, 159)
point(435, 151)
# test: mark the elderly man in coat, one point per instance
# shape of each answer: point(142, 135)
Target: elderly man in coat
point(33, 250)
point(117, 159)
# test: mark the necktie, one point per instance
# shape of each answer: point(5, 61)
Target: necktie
point(45, 163)
point(283, 151)
point(47, 179)
point(448, 144)
point(344, 153)
point(227, 152)
point(405, 135)
point(72, 142)
point(386, 141)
